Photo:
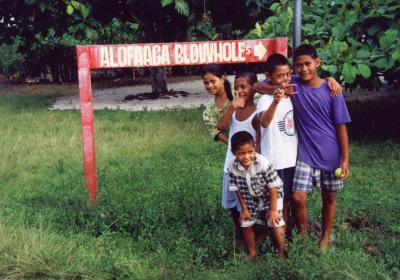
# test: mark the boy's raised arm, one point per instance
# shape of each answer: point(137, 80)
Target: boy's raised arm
point(341, 132)
point(225, 119)
point(267, 116)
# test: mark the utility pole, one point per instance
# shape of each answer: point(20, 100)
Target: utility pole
point(296, 24)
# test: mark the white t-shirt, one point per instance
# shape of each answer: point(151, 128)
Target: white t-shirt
point(279, 140)
point(237, 126)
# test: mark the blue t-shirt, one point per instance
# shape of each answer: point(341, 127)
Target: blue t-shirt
point(316, 115)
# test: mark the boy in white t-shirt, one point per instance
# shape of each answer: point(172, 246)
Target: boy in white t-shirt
point(278, 135)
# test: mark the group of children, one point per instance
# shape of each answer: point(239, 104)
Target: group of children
point(294, 138)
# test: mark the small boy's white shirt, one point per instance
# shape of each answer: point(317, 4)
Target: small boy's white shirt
point(260, 164)
point(263, 174)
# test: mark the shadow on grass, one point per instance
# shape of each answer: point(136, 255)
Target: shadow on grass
point(376, 120)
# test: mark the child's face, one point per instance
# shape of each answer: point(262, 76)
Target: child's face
point(281, 76)
point(213, 84)
point(243, 89)
point(246, 154)
point(306, 67)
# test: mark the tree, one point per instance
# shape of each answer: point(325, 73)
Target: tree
point(47, 36)
point(49, 30)
point(182, 20)
point(358, 41)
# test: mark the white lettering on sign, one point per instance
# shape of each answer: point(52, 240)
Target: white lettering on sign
point(194, 53)
point(138, 57)
point(112, 62)
point(122, 58)
point(207, 52)
point(134, 56)
point(183, 54)
point(165, 55)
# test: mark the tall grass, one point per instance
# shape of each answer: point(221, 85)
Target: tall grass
point(158, 214)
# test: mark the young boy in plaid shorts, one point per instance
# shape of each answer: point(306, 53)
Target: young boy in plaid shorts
point(323, 142)
point(259, 190)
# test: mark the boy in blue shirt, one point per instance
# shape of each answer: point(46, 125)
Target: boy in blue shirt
point(323, 142)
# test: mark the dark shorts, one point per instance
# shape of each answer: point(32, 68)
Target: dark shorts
point(287, 176)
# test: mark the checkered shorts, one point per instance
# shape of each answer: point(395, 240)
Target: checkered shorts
point(305, 177)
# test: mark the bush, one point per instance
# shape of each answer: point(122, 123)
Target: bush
point(11, 61)
point(357, 40)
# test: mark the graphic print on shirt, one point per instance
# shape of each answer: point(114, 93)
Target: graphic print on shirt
point(287, 124)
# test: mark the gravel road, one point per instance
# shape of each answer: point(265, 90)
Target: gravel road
point(113, 98)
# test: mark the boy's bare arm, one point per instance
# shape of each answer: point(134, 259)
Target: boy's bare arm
point(266, 88)
point(222, 137)
point(256, 125)
point(225, 119)
point(341, 132)
point(334, 86)
point(272, 214)
point(245, 214)
point(267, 116)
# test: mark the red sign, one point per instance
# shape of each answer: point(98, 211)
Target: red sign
point(150, 55)
point(184, 53)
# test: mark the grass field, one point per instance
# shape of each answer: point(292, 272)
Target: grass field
point(159, 215)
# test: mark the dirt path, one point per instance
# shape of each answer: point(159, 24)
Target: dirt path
point(113, 98)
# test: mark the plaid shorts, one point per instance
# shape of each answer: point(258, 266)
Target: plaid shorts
point(305, 177)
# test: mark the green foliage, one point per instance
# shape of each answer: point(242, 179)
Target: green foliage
point(117, 32)
point(363, 42)
point(357, 40)
point(278, 25)
point(11, 60)
point(202, 30)
point(181, 6)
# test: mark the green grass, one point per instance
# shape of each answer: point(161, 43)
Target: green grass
point(158, 213)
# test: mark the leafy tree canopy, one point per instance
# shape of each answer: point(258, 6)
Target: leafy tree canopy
point(357, 40)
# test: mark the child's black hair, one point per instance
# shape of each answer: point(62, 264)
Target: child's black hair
point(239, 139)
point(305, 49)
point(217, 70)
point(274, 60)
point(249, 76)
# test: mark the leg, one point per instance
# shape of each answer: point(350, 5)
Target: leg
point(328, 216)
point(286, 212)
point(279, 241)
point(250, 240)
point(235, 214)
point(287, 176)
point(300, 211)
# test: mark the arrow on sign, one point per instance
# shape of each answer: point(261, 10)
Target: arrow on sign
point(259, 50)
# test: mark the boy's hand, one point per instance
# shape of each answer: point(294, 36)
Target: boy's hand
point(334, 86)
point(244, 215)
point(290, 89)
point(237, 102)
point(279, 93)
point(273, 217)
point(345, 170)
